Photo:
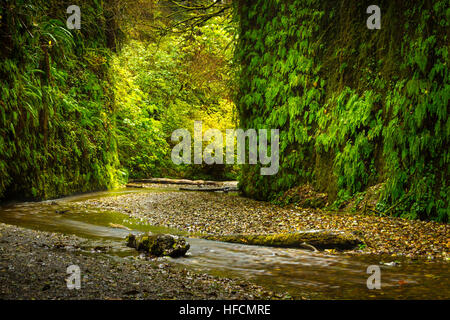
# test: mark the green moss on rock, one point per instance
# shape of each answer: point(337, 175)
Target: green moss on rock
point(159, 244)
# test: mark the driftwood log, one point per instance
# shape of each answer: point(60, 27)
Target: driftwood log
point(198, 185)
point(134, 185)
point(223, 189)
point(317, 239)
point(176, 181)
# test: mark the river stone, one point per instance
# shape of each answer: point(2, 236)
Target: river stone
point(159, 244)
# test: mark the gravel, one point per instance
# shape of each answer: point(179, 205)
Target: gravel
point(33, 265)
point(222, 214)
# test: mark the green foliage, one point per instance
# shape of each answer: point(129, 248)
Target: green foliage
point(355, 107)
point(166, 85)
point(55, 107)
point(78, 115)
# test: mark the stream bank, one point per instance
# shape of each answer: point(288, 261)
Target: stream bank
point(33, 266)
point(299, 273)
point(223, 215)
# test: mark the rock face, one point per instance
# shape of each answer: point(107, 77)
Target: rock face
point(159, 244)
point(320, 239)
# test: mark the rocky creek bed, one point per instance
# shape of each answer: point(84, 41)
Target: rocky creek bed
point(89, 230)
point(219, 214)
point(33, 266)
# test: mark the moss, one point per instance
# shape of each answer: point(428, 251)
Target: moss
point(56, 108)
point(355, 107)
point(158, 244)
point(318, 239)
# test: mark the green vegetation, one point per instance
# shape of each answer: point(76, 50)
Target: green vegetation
point(78, 115)
point(165, 83)
point(88, 109)
point(56, 109)
point(356, 107)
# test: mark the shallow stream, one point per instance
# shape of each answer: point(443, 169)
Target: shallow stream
point(298, 272)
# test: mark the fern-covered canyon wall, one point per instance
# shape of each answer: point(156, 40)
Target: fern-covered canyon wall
point(56, 106)
point(87, 109)
point(355, 107)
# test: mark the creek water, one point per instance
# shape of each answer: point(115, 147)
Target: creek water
point(301, 273)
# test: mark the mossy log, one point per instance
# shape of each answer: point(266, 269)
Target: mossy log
point(320, 239)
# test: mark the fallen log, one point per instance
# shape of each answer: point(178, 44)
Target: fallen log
point(133, 185)
point(320, 239)
point(223, 189)
point(175, 181)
